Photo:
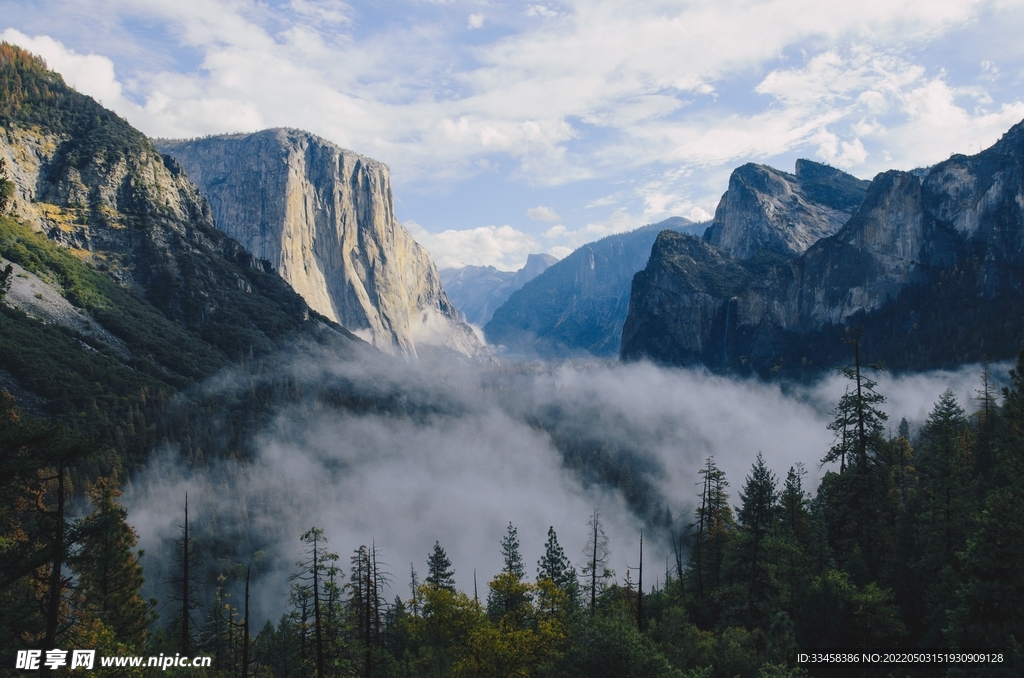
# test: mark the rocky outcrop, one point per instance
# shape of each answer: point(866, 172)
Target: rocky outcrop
point(478, 291)
point(161, 287)
point(681, 304)
point(930, 269)
point(324, 217)
point(765, 210)
point(577, 306)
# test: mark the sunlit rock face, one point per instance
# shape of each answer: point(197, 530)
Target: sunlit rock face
point(929, 269)
point(324, 217)
point(767, 210)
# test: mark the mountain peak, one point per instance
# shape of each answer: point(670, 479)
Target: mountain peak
point(766, 210)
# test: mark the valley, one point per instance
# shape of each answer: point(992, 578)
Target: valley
point(245, 415)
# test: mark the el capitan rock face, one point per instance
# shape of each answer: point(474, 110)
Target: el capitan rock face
point(324, 217)
point(930, 267)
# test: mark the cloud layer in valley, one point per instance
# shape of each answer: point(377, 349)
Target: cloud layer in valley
point(610, 115)
point(465, 450)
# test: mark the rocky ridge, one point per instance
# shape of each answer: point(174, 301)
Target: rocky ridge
point(930, 268)
point(765, 210)
point(324, 217)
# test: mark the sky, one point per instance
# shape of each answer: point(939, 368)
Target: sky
point(518, 127)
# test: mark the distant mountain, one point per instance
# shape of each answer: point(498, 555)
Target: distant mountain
point(765, 210)
point(477, 291)
point(578, 305)
point(324, 217)
point(930, 268)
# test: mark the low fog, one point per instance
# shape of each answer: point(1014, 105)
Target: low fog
point(461, 450)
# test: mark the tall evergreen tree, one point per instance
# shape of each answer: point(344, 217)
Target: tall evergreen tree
point(714, 529)
point(439, 569)
point(757, 517)
point(856, 501)
point(185, 585)
point(987, 417)
point(313, 576)
point(510, 553)
point(555, 567)
point(107, 568)
point(796, 534)
point(507, 594)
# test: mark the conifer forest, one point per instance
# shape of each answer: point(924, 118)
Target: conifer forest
point(911, 540)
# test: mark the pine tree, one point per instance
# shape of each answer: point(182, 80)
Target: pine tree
point(107, 568)
point(989, 604)
point(185, 584)
point(795, 533)
point(510, 553)
point(439, 569)
point(507, 595)
point(987, 418)
point(945, 464)
point(944, 509)
point(366, 600)
point(856, 502)
point(757, 517)
point(714, 529)
point(555, 567)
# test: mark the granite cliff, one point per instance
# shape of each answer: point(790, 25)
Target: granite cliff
point(324, 217)
point(769, 211)
point(930, 268)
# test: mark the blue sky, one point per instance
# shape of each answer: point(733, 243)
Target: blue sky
point(517, 127)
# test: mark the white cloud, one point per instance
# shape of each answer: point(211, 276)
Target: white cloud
point(593, 90)
point(619, 221)
point(541, 213)
point(503, 247)
point(90, 74)
point(542, 11)
point(331, 12)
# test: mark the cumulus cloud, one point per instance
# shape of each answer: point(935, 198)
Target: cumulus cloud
point(503, 247)
point(90, 74)
point(541, 213)
point(592, 91)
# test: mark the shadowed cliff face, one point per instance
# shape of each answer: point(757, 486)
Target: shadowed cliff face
point(931, 267)
point(324, 217)
point(766, 210)
point(577, 306)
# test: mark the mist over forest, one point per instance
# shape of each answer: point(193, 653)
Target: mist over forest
point(469, 448)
